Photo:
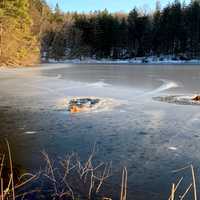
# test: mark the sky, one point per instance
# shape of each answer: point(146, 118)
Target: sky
point(110, 5)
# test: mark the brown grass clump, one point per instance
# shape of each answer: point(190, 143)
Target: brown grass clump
point(9, 183)
point(65, 179)
point(72, 179)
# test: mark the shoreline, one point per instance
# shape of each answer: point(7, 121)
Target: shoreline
point(137, 61)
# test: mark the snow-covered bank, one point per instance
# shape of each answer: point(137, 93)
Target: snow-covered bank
point(138, 60)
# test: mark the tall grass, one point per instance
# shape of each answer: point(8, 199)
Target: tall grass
point(72, 179)
point(9, 185)
point(67, 178)
point(191, 188)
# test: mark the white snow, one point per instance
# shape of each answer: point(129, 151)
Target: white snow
point(167, 84)
point(30, 132)
point(138, 60)
point(172, 148)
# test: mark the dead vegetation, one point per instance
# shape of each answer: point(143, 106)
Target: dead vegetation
point(67, 178)
point(191, 189)
point(73, 179)
point(9, 183)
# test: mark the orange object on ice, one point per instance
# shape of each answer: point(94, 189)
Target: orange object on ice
point(196, 98)
point(74, 109)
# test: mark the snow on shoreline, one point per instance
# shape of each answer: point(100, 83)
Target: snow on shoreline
point(148, 61)
point(133, 61)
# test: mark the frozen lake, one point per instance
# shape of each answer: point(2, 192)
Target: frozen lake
point(151, 138)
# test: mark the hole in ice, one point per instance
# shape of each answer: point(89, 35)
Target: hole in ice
point(180, 99)
point(82, 104)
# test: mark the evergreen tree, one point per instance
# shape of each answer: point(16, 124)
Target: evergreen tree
point(132, 32)
point(156, 32)
point(193, 27)
point(27, 25)
point(18, 45)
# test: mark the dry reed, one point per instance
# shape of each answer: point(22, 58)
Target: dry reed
point(91, 179)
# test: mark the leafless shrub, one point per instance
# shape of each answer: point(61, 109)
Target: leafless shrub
point(70, 179)
point(73, 178)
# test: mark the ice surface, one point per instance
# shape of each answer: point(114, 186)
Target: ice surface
point(150, 137)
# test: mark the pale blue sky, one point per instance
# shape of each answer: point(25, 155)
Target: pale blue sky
point(111, 5)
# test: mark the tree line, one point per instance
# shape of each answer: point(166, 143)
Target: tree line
point(29, 29)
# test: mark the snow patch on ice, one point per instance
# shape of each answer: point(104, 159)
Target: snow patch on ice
point(167, 84)
point(30, 132)
point(172, 148)
point(99, 84)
